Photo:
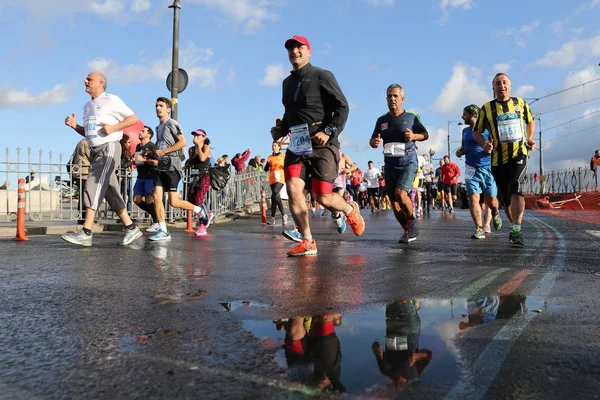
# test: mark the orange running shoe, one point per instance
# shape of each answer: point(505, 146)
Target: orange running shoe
point(356, 220)
point(304, 248)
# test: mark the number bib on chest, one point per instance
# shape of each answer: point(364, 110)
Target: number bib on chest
point(469, 172)
point(394, 149)
point(300, 142)
point(509, 128)
point(91, 127)
point(397, 343)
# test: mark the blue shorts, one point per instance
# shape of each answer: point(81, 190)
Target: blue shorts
point(399, 179)
point(143, 187)
point(482, 182)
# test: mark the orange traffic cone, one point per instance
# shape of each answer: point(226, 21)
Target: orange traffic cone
point(263, 206)
point(21, 212)
point(189, 227)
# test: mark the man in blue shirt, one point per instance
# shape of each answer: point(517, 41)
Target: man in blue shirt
point(478, 173)
point(399, 130)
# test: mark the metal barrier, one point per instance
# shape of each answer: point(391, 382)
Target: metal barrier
point(570, 180)
point(54, 193)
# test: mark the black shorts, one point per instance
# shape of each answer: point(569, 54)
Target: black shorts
point(322, 165)
point(450, 189)
point(373, 192)
point(509, 179)
point(168, 180)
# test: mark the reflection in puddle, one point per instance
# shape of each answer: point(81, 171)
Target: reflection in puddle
point(387, 349)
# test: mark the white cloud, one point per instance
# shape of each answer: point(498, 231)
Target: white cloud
point(524, 91)
point(461, 89)
point(520, 36)
point(571, 52)
point(502, 67)
point(122, 9)
point(380, 3)
point(140, 5)
point(249, 15)
point(274, 75)
point(465, 4)
point(190, 59)
point(373, 67)
point(10, 98)
point(558, 26)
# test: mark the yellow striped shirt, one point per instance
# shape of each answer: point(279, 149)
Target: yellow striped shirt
point(506, 121)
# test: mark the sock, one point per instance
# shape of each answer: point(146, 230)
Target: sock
point(87, 231)
point(151, 208)
point(309, 238)
point(516, 227)
point(336, 215)
point(200, 211)
point(130, 227)
point(163, 226)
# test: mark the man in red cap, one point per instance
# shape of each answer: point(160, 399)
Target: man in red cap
point(316, 111)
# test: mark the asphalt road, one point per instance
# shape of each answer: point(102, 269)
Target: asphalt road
point(444, 317)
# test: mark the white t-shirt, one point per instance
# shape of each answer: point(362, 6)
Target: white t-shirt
point(105, 109)
point(421, 164)
point(371, 176)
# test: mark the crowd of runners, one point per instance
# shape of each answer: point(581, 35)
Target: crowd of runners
point(496, 142)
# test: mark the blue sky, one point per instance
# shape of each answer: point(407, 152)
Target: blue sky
point(444, 53)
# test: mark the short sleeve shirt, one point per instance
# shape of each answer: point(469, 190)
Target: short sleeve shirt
point(474, 153)
point(166, 136)
point(392, 129)
point(104, 109)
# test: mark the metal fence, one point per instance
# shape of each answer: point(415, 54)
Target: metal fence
point(54, 193)
point(570, 180)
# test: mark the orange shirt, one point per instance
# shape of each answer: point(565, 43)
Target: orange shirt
point(276, 168)
point(595, 163)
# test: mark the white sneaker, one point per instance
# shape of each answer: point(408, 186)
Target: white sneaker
point(153, 228)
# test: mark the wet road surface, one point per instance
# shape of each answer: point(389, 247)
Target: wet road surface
point(229, 315)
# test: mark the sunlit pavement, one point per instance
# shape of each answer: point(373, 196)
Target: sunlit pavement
point(206, 317)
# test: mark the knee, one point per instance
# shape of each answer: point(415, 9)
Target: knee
point(324, 199)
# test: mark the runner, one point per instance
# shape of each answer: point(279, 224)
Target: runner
point(143, 190)
point(355, 180)
point(371, 177)
point(198, 163)
point(511, 126)
point(170, 143)
point(440, 186)
point(346, 167)
point(315, 114)
point(276, 180)
point(450, 174)
point(399, 130)
point(478, 174)
point(104, 118)
point(428, 172)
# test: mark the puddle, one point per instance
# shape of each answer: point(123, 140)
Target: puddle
point(386, 348)
point(234, 305)
point(131, 343)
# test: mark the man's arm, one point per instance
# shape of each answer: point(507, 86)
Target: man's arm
point(530, 131)
point(245, 156)
point(126, 123)
point(334, 102)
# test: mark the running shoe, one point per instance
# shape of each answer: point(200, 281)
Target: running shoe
point(324, 213)
point(340, 222)
point(356, 220)
point(404, 238)
point(201, 231)
point(131, 235)
point(208, 219)
point(304, 248)
point(413, 230)
point(293, 235)
point(272, 221)
point(497, 222)
point(160, 236)
point(450, 209)
point(487, 229)
point(479, 234)
point(516, 238)
point(78, 237)
point(285, 219)
point(153, 228)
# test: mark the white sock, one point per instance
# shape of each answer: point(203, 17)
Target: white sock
point(309, 238)
point(163, 226)
point(516, 227)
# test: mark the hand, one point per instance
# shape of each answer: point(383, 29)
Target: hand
point(71, 121)
point(160, 153)
point(321, 138)
point(488, 147)
point(106, 128)
point(199, 140)
point(409, 136)
point(376, 142)
point(530, 144)
point(459, 153)
point(276, 133)
point(139, 158)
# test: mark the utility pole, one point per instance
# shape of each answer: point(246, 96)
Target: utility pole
point(449, 122)
point(175, 59)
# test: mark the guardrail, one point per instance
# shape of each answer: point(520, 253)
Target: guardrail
point(570, 180)
point(54, 193)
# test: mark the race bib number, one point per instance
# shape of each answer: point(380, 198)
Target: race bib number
point(136, 155)
point(398, 343)
point(300, 142)
point(277, 175)
point(469, 172)
point(91, 127)
point(509, 128)
point(394, 149)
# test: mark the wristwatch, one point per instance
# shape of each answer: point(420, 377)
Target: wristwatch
point(329, 130)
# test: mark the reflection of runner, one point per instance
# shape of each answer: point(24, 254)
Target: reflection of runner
point(402, 359)
point(488, 309)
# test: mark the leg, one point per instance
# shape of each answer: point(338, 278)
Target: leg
point(276, 201)
point(517, 208)
point(475, 209)
point(298, 207)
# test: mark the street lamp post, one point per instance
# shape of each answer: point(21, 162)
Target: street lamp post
point(175, 59)
point(450, 122)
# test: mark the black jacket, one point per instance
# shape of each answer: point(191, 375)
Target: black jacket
point(312, 95)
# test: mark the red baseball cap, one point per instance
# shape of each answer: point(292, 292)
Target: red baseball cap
point(299, 39)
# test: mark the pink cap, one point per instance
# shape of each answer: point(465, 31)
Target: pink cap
point(298, 39)
point(198, 132)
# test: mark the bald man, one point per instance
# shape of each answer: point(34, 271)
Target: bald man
point(104, 118)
